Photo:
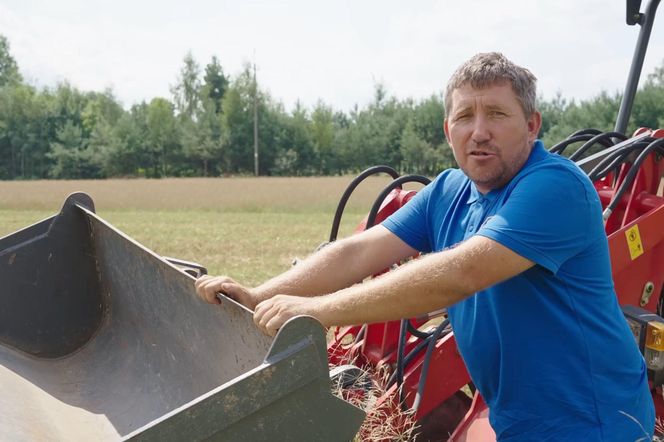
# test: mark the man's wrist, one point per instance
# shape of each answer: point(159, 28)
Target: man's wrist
point(258, 295)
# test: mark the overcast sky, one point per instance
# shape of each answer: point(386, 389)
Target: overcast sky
point(334, 50)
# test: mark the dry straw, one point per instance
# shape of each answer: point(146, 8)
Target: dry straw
point(386, 420)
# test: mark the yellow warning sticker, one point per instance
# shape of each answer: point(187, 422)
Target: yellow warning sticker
point(634, 242)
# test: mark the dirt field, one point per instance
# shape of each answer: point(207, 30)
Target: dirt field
point(247, 228)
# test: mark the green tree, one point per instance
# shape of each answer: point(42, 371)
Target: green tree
point(294, 146)
point(9, 73)
point(322, 135)
point(215, 84)
point(68, 152)
point(127, 152)
point(186, 92)
point(26, 130)
point(202, 141)
point(161, 139)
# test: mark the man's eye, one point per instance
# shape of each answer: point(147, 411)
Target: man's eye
point(496, 114)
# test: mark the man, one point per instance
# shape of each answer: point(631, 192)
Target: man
point(519, 256)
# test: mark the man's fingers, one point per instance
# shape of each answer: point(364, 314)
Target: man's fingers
point(271, 314)
point(201, 280)
point(207, 287)
point(273, 325)
point(260, 311)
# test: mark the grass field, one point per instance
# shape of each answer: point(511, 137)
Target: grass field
point(247, 228)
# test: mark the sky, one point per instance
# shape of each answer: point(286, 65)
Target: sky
point(335, 50)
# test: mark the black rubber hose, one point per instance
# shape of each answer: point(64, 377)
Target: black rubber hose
point(415, 332)
point(561, 146)
point(629, 179)
point(424, 372)
point(400, 358)
point(360, 334)
point(349, 190)
point(588, 131)
point(406, 360)
point(371, 219)
point(410, 356)
point(612, 161)
point(606, 139)
point(402, 345)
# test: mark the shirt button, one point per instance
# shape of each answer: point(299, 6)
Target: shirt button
point(471, 228)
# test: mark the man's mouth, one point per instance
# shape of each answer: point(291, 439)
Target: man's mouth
point(481, 153)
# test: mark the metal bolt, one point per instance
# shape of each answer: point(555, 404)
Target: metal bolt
point(648, 290)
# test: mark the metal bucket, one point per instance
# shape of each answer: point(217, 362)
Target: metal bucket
point(102, 339)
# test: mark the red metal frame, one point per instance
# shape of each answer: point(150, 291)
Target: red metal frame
point(642, 206)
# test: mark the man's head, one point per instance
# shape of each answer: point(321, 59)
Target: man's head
point(491, 121)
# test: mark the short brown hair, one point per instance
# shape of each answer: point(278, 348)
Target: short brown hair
point(486, 69)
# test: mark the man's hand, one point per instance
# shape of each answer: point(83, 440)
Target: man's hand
point(207, 288)
point(272, 313)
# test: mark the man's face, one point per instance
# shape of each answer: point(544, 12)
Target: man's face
point(490, 136)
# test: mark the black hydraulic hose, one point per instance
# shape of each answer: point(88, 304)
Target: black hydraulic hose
point(400, 357)
point(360, 334)
point(371, 219)
point(349, 190)
point(424, 372)
point(629, 179)
point(605, 139)
point(410, 356)
point(415, 332)
point(612, 161)
point(402, 346)
point(588, 131)
point(561, 146)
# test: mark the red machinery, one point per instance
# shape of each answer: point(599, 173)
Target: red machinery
point(628, 174)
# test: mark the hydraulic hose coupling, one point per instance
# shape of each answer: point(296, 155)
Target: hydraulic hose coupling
point(606, 214)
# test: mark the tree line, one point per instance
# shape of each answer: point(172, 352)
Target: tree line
point(206, 128)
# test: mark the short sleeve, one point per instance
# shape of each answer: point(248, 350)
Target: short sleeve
point(546, 217)
point(410, 222)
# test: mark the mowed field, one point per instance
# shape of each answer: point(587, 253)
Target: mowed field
point(247, 228)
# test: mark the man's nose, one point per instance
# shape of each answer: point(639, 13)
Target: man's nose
point(481, 132)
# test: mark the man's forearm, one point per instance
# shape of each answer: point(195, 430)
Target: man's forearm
point(432, 282)
point(408, 291)
point(330, 269)
point(339, 265)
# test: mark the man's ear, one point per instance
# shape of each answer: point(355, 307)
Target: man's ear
point(447, 131)
point(534, 125)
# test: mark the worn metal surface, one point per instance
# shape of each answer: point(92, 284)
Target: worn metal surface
point(287, 398)
point(51, 302)
point(142, 357)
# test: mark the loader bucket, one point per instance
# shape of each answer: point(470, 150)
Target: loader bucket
point(101, 339)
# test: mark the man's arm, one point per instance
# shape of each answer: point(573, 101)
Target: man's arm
point(337, 266)
point(423, 285)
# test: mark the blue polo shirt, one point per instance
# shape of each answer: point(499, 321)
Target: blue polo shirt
point(549, 349)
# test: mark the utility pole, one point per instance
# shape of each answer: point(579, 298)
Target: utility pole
point(255, 120)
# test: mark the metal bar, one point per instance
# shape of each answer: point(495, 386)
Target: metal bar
point(637, 64)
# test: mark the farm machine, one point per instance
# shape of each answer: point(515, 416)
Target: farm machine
point(102, 339)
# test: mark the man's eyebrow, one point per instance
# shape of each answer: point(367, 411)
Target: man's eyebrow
point(495, 106)
point(463, 109)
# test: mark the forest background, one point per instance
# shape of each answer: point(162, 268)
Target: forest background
point(206, 128)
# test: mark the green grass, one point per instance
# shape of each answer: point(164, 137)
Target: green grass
point(247, 228)
point(245, 245)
